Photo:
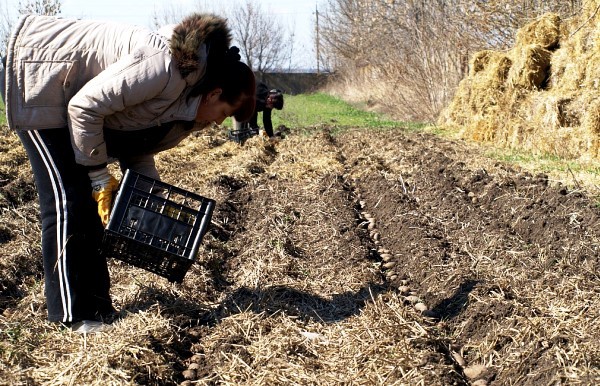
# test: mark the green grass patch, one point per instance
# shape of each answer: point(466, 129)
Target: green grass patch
point(545, 162)
point(576, 174)
point(311, 110)
point(2, 114)
point(322, 110)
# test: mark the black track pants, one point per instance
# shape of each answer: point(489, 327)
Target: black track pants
point(76, 277)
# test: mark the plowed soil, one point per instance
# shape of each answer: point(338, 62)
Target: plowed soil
point(334, 258)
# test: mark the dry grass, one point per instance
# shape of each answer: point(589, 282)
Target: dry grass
point(289, 291)
point(299, 329)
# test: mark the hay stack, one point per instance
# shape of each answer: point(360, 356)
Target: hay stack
point(480, 95)
point(530, 68)
point(544, 32)
point(541, 95)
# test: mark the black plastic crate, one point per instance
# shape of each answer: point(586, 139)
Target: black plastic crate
point(156, 226)
point(241, 135)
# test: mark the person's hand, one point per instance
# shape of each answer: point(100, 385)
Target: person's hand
point(103, 187)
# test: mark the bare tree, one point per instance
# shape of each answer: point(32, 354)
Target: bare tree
point(6, 20)
point(173, 13)
point(264, 44)
point(170, 13)
point(38, 7)
point(409, 55)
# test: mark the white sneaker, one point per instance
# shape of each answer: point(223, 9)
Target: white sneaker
point(89, 326)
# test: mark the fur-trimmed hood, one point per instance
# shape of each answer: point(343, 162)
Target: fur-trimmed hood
point(196, 36)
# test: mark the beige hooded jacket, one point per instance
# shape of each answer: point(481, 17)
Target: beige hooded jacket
point(89, 75)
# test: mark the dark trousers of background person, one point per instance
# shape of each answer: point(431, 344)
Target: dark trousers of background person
point(253, 123)
point(267, 123)
point(76, 276)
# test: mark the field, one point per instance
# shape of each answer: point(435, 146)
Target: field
point(345, 254)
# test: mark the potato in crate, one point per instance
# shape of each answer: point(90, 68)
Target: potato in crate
point(156, 226)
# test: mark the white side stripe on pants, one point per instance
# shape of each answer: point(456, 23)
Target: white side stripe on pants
point(60, 200)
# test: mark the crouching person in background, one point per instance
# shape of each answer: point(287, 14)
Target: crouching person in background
point(80, 94)
point(266, 100)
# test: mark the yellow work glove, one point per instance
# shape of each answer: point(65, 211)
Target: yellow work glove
point(103, 188)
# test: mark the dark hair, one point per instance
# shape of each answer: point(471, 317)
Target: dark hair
point(276, 98)
point(236, 80)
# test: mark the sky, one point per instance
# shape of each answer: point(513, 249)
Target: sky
point(296, 15)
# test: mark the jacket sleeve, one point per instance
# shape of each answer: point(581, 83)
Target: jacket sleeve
point(143, 164)
point(136, 78)
point(268, 124)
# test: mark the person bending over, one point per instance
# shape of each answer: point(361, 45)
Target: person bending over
point(81, 94)
point(266, 100)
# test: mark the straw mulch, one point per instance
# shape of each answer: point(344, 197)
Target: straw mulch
point(364, 258)
point(541, 95)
